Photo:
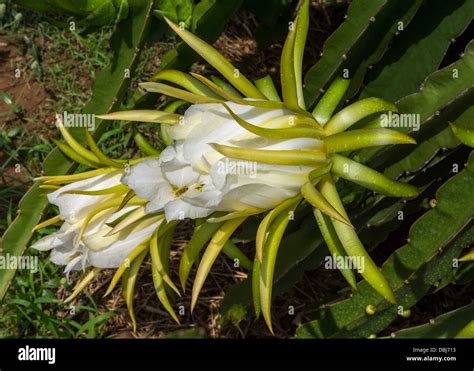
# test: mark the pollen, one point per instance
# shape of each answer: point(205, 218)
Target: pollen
point(179, 191)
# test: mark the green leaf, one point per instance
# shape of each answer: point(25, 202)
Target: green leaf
point(330, 100)
point(184, 80)
point(351, 114)
point(373, 222)
point(305, 131)
point(153, 116)
point(212, 251)
point(129, 280)
point(384, 32)
point(295, 157)
point(201, 235)
point(108, 91)
point(228, 88)
point(176, 10)
point(363, 138)
point(463, 128)
point(157, 246)
point(145, 146)
point(339, 45)
point(423, 43)
point(443, 98)
point(234, 253)
point(369, 178)
point(447, 325)
point(319, 202)
point(208, 21)
point(157, 87)
point(267, 267)
point(412, 269)
point(352, 244)
point(287, 71)
point(161, 292)
point(215, 59)
point(333, 244)
point(267, 88)
point(302, 27)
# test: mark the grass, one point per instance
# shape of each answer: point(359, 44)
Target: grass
point(33, 310)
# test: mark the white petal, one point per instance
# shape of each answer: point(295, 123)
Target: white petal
point(164, 195)
point(47, 242)
point(73, 207)
point(180, 209)
point(254, 195)
point(116, 253)
point(180, 176)
point(146, 178)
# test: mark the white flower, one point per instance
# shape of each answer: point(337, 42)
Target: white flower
point(95, 248)
point(73, 207)
point(192, 180)
point(173, 185)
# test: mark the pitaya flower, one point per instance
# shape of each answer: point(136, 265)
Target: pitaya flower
point(85, 237)
point(296, 154)
point(192, 180)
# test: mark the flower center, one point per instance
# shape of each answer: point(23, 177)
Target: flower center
point(179, 191)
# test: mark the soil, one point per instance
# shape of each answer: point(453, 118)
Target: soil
point(27, 95)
